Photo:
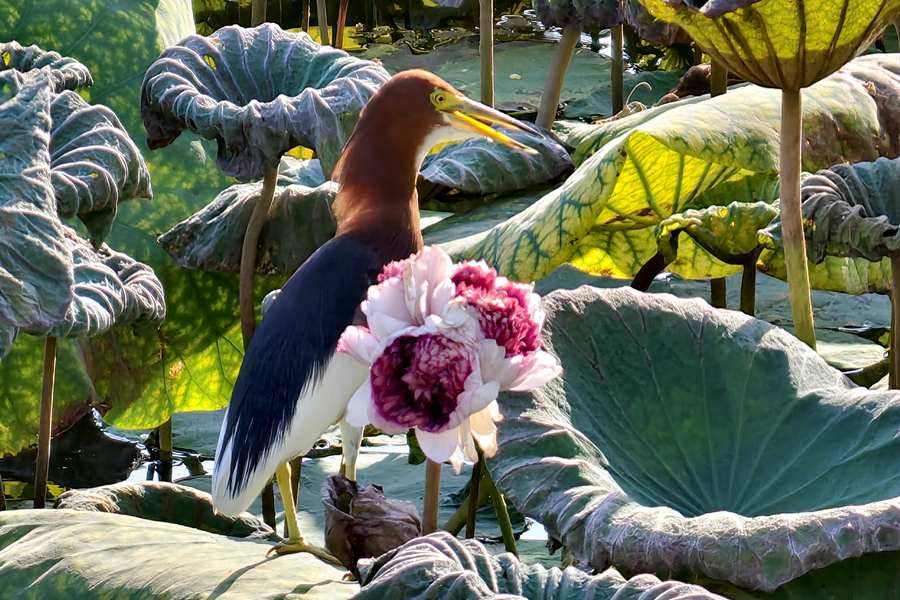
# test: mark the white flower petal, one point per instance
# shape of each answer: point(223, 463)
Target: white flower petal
point(466, 441)
point(360, 344)
point(537, 369)
point(358, 408)
point(484, 430)
point(438, 447)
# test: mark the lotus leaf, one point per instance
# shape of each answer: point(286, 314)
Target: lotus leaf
point(709, 444)
point(64, 73)
point(57, 554)
point(441, 566)
point(258, 92)
point(36, 276)
point(580, 14)
point(654, 31)
point(299, 221)
point(780, 43)
point(94, 164)
point(661, 166)
point(478, 166)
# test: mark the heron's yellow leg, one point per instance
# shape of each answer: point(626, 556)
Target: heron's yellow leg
point(295, 542)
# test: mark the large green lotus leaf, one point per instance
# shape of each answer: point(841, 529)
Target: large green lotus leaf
point(835, 273)
point(64, 554)
point(94, 164)
point(708, 444)
point(64, 73)
point(781, 43)
point(478, 166)
point(35, 263)
point(654, 31)
point(258, 92)
point(299, 221)
point(662, 165)
point(441, 566)
point(599, 102)
point(579, 14)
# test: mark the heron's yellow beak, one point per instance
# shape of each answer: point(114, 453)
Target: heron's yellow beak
point(473, 116)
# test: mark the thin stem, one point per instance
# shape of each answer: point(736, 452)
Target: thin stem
point(458, 519)
point(553, 83)
point(718, 293)
point(43, 460)
point(618, 71)
point(322, 15)
point(248, 254)
point(506, 530)
point(164, 435)
point(2, 496)
point(792, 217)
point(486, 50)
point(432, 497)
point(258, 12)
point(268, 504)
point(718, 78)
point(648, 272)
point(474, 484)
point(304, 22)
point(895, 321)
point(748, 287)
point(339, 25)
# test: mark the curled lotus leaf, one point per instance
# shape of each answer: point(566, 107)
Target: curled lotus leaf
point(35, 262)
point(258, 92)
point(708, 443)
point(110, 288)
point(64, 73)
point(441, 566)
point(787, 44)
point(579, 14)
point(479, 166)
point(94, 164)
point(299, 221)
point(8, 335)
point(649, 29)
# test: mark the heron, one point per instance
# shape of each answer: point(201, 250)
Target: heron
point(292, 384)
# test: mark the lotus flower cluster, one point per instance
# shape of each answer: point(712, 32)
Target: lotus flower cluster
point(442, 341)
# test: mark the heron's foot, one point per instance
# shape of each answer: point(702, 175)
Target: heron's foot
point(301, 545)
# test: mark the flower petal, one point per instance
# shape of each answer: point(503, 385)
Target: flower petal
point(357, 413)
point(438, 447)
point(484, 430)
point(359, 343)
point(536, 370)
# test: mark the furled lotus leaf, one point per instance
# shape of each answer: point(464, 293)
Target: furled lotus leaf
point(478, 166)
point(707, 443)
point(728, 235)
point(64, 73)
point(299, 221)
point(785, 44)
point(258, 92)
point(110, 289)
point(166, 503)
point(8, 335)
point(54, 554)
point(834, 273)
point(441, 566)
point(35, 262)
point(641, 175)
point(360, 522)
point(94, 164)
point(654, 31)
point(579, 14)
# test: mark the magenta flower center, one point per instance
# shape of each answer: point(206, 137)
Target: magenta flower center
point(503, 316)
point(416, 382)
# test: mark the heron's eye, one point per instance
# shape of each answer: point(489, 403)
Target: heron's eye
point(439, 98)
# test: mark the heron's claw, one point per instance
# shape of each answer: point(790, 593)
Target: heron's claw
point(301, 545)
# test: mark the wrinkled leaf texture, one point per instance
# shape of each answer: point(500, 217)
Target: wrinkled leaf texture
point(441, 566)
point(258, 92)
point(709, 444)
point(64, 73)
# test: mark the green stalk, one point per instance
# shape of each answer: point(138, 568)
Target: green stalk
point(718, 85)
point(458, 519)
point(322, 15)
point(304, 21)
point(164, 435)
point(553, 83)
point(48, 380)
point(618, 71)
point(474, 484)
point(748, 288)
point(718, 293)
point(506, 530)
point(258, 12)
point(339, 25)
point(432, 496)
point(268, 504)
point(792, 217)
point(248, 255)
point(486, 50)
point(2, 496)
point(895, 321)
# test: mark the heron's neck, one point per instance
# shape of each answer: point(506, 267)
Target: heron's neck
point(377, 198)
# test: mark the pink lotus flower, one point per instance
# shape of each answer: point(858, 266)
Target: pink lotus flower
point(442, 341)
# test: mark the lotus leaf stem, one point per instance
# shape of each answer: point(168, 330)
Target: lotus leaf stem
point(555, 75)
point(648, 272)
point(268, 504)
point(618, 71)
point(2, 496)
point(718, 293)
point(506, 530)
point(486, 50)
point(339, 25)
point(718, 78)
point(248, 255)
point(258, 12)
point(164, 435)
point(304, 22)
point(457, 520)
point(432, 497)
point(895, 320)
point(792, 217)
point(323, 22)
point(748, 286)
point(48, 380)
point(474, 484)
